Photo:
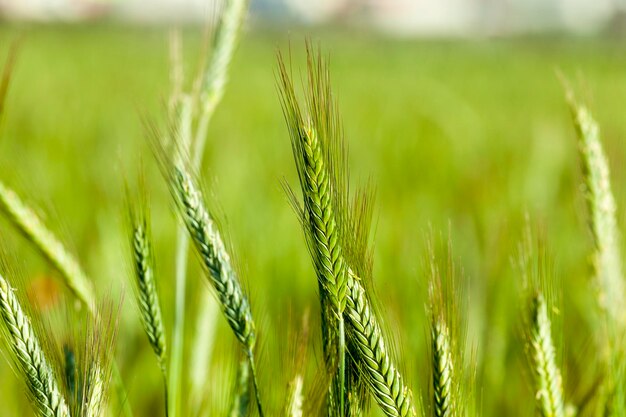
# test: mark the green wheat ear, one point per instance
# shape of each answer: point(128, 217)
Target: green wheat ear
point(317, 141)
point(29, 357)
point(601, 207)
point(146, 291)
point(384, 379)
point(548, 382)
point(31, 226)
point(536, 272)
point(443, 369)
point(146, 287)
point(452, 389)
point(208, 242)
point(336, 233)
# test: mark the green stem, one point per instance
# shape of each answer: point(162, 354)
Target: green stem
point(255, 382)
point(178, 336)
point(342, 366)
point(165, 390)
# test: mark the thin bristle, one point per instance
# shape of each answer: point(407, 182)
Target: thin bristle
point(25, 219)
point(29, 356)
point(95, 362)
point(147, 294)
point(7, 72)
point(548, 381)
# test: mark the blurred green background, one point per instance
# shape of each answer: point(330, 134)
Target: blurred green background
point(468, 135)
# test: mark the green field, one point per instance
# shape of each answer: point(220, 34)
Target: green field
point(467, 135)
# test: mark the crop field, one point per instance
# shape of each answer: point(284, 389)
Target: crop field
point(469, 146)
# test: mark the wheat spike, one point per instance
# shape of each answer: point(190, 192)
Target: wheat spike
point(95, 391)
point(50, 246)
point(222, 276)
point(393, 397)
point(29, 356)
point(442, 370)
point(601, 207)
point(216, 75)
point(451, 387)
point(313, 144)
point(317, 145)
point(147, 295)
point(215, 258)
point(323, 226)
point(543, 354)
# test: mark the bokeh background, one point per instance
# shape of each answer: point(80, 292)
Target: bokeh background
point(451, 108)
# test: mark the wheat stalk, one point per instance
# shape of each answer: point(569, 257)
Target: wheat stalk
point(214, 82)
point(543, 354)
point(25, 219)
point(203, 344)
point(30, 357)
point(241, 396)
point(384, 379)
point(601, 206)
